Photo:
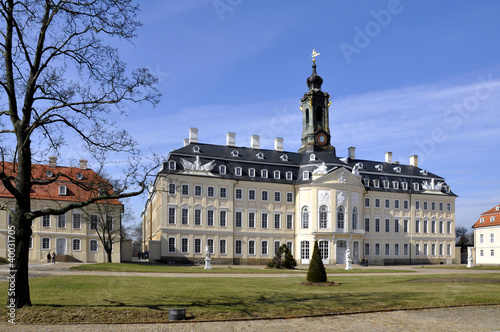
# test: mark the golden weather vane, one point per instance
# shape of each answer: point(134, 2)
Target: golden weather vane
point(314, 54)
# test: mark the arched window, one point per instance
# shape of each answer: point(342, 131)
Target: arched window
point(319, 114)
point(323, 216)
point(354, 218)
point(305, 217)
point(340, 217)
point(307, 118)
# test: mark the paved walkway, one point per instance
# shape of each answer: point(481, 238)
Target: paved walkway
point(483, 318)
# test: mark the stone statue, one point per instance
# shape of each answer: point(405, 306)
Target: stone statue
point(348, 254)
point(196, 165)
point(207, 252)
point(348, 260)
point(432, 186)
point(208, 260)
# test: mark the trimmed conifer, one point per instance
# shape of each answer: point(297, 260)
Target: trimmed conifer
point(316, 271)
point(283, 259)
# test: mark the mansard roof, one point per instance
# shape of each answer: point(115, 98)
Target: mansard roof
point(489, 218)
point(297, 163)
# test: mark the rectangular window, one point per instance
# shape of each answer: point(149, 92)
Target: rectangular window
point(277, 221)
point(405, 249)
point(251, 219)
point(441, 250)
point(377, 202)
point(367, 224)
point(185, 190)
point(237, 247)
point(197, 191)
point(277, 175)
point(222, 246)
point(289, 245)
point(377, 225)
point(425, 226)
point(441, 206)
point(448, 227)
point(210, 191)
point(289, 197)
point(426, 249)
point(387, 250)
point(263, 173)
point(417, 249)
point(93, 245)
point(396, 225)
point(251, 194)
point(405, 225)
point(433, 249)
point(417, 226)
point(425, 205)
point(184, 245)
point(264, 220)
point(448, 249)
point(433, 226)
point(184, 216)
point(197, 217)
point(222, 218)
point(251, 247)
point(433, 206)
point(417, 205)
point(289, 221)
point(406, 204)
point(263, 248)
point(367, 202)
point(387, 203)
point(238, 219)
point(277, 196)
point(481, 238)
point(396, 204)
point(210, 243)
point(31, 242)
point(46, 221)
point(277, 245)
point(387, 225)
point(197, 246)
point(367, 249)
point(239, 194)
point(77, 220)
point(171, 188)
point(223, 192)
point(264, 195)
point(377, 249)
point(448, 207)
point(171, 215)
point(304, 250)
point(210, 217)
point(171, 244)
point(45, 243)
point(441, 227)
point(396, 249)
point(61, 221)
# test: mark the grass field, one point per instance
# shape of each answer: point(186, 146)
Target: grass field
point(144, 267)
point(58, 299)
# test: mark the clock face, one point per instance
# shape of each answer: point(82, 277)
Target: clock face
point(321, 138)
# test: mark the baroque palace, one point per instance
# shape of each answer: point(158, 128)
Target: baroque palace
point(244, 203)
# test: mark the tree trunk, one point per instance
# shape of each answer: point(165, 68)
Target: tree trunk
point(109, 256)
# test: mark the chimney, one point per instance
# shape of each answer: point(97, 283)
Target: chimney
point(193, 135)
point(186, 141)
point(414, 160)
point(278, 144)
point(351, 152)
point(52, 161)
point(83, 164)
point(231, 139)
point(388, 157)
point(254, 141)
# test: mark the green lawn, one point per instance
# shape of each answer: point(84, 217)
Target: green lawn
point(59, 299)
point(463, 267)
point(160, 268)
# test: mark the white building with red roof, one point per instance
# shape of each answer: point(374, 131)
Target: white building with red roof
point(487, 237)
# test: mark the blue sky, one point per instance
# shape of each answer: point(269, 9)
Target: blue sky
point(411, 77)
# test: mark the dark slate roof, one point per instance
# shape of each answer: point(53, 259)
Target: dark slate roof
point(296, 163)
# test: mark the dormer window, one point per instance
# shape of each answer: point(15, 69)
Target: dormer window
point(397, 169)
point(251, 172)
point(386, 184)
point(289, 175)
point(277, 175)
point(359, 165)
point(79, 176)
point(376, 183)
point(171, 165)
point(237, 171)
point(423, 171)
point(260, 155)
point(62, 190)
point(305, 175)
point(404, 185)
point(366, 182)
point(49, 173)
point(447, 188)
point(481, 220)
point(395, 184)
point(263, 173)
point(497, 208)
point(222, 169)
point(379, 167)
point(235, 153)
point(312, 157)
point(196, 149)
point(416, 187)
point(492, 219)
point(284, 157)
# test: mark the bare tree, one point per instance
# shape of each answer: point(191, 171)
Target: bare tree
point(59, 78)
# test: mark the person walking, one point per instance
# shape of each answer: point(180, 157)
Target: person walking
point(53, 258)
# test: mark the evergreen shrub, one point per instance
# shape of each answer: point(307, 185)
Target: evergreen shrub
point(283, 259)
point(316, 271)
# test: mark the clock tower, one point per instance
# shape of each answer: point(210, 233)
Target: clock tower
point(315, 106)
